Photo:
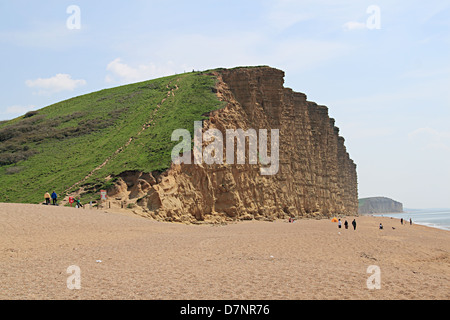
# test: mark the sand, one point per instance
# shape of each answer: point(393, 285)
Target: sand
point(122, 256)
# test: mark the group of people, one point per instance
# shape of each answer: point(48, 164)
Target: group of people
point(401, 221)
point(410, 221)
point(51, 197)
point(354, 224)
point(346, 224)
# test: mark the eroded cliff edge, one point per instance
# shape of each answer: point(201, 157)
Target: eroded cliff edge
point(316, 176)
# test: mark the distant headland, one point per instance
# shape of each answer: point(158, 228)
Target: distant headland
point(379, 205)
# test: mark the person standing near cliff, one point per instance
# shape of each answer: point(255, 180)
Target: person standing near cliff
point(54, 198)
point(47, 198)
point(354, 224)
point(78, 203)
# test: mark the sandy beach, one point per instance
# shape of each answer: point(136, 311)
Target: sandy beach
point(122, 256)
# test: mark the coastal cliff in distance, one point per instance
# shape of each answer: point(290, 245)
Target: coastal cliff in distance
point(316, 176)
point(379, 205)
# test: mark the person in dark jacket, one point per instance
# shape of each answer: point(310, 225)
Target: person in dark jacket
point(54, 198)
point(354, 224)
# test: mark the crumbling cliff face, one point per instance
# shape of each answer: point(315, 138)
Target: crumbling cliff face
point(316, 176)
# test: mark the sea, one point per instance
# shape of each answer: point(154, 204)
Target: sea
point(435, 218)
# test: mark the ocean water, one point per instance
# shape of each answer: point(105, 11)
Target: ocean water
point(435, 218)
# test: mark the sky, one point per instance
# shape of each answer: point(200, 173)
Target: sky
point(382, 67)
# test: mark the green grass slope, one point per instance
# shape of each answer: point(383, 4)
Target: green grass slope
point(58, 146)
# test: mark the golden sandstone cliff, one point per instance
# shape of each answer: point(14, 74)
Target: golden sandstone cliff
point(316, 176)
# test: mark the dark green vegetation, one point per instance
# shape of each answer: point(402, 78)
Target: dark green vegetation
point(57, 146)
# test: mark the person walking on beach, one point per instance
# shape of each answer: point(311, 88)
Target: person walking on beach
point(401, 221)
point(47, 198)
point(410, 221)
point(54, 198)
point(354, 224)
point(340, 224)
point(346, 224)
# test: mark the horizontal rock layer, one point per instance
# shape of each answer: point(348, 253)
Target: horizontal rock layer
point(316, 176)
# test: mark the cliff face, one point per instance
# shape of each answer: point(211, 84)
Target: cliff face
point(379, 205)
point(316, 176)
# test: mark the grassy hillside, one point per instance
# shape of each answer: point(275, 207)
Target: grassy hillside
point(58, 146)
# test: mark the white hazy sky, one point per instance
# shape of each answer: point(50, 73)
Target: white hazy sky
point(385, 78)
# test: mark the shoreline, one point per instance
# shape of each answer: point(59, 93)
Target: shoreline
point(421, 223)
point(130, 213)
point(125, 256)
